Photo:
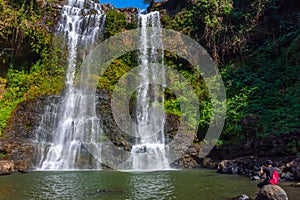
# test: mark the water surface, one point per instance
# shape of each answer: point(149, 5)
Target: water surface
point(177, 184)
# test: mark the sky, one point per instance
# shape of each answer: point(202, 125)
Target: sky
point(126, 3)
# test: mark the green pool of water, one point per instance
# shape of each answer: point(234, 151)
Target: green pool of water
point(177, 184)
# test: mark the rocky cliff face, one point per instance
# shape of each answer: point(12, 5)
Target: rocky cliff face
point(16, 147)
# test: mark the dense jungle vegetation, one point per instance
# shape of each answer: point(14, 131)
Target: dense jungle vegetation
point(30, 63)
point(256, 47)
point(255, 44)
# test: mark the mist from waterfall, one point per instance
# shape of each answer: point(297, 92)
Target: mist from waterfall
point(70, 125)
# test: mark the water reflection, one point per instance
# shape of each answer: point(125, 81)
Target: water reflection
point(151, 185)
point(58, 185)
point(113, 185)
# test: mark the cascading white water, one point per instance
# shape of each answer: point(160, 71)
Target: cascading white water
point(149, 152)
point(76, 126)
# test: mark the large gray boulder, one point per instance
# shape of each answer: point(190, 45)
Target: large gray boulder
point(271, 192)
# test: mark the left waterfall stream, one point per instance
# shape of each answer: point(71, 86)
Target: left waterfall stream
point(70, 125)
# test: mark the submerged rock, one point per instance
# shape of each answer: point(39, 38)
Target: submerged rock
point(105, 191)
point(271, 192)
point(141, 149)
point(241, 197)
point(255, 178)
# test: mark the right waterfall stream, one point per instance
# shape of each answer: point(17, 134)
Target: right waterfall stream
point(149, 151)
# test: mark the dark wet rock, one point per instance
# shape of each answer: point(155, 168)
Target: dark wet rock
point(287, 176)
point(110, 127)
point(17, 145)
point(103, 191)
point(108, 191)
point(19, 153)
point(295, 167)
point(6, 167)
point(291, 170)
point(246, 157)
point(238, 166)
point(142, 149)
point(241, 197)
point(271, 146)
point(117, 136)
point(271, 192)
point(21, 166)
point(189, 158)
point(26, 118)
point(250, 167)
point(209, 163)
point(17, 141)
point(255, 178)
point(171, 127)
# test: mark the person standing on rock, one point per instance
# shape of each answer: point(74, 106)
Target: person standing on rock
point(268, 169)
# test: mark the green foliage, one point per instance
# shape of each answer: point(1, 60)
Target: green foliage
point(35, 63)
point(23, 31)
point(112, 75)
point(171, 104)
point(211, 11)
point(1, 5)
point(268, 88)
point(3, 154)
point(261, 79)
point(6, 108)
point(277, 77)
point(222, 26)
point(22, 86)
point(236, 106)
point(116, 22)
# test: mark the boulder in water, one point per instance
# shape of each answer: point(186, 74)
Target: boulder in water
point(255, 178)
point(141, 149)
point(241, 197)
point(6, 167)
point(271, 192)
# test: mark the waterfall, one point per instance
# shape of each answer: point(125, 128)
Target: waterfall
point(73, 122)
point(149, 152)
